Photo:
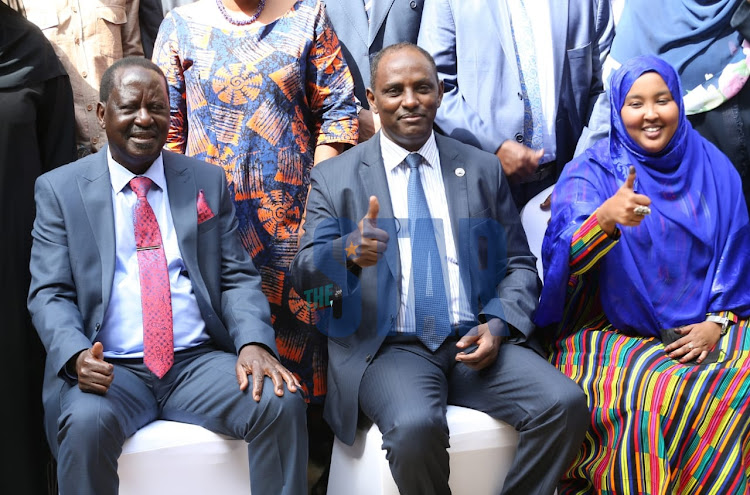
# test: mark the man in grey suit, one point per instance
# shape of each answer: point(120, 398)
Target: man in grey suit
point(409, 298)
point(521, 78)
point(364, 27)
point(148, 305)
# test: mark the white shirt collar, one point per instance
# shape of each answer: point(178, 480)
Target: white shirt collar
point(120, 176)
point(394, 155)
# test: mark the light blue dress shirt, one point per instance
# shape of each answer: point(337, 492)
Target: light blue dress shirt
point(122, 329)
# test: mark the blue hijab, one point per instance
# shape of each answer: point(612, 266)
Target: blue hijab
point(690, 256)
point(694, 36)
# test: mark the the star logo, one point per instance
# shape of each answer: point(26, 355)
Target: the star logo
point(351, 250)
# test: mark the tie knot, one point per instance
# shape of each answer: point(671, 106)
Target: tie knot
point(140, 185)
point(413, 160)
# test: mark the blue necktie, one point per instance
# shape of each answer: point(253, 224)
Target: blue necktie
point(523, 41)
point(430, 301)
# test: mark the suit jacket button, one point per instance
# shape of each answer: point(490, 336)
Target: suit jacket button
point(519, 137)
point(520, 96)
point(368, 358)
point(413, 4)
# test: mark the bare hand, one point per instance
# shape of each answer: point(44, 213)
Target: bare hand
point(369, 124)
point(697, 341)
point(517, 160)
point(95, 375)
point(620, 208)
point(366, 244)
point(489, 336)
point(257, 361)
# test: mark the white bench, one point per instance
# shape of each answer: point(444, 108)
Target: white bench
point(166, 457)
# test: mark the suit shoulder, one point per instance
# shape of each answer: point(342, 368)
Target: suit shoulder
point(463, 149)
point(344, 163)
point(73, 169)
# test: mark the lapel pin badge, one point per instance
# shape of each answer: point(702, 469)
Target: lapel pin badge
point(460, 172)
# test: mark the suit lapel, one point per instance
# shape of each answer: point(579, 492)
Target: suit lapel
point(183, 195)
point(455, 170)
point(500, 16)
point(378, 14)
point(374, 181)
point(96, 193)
point(454, 178)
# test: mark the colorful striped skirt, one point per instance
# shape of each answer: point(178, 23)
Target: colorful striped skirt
point(658, 426)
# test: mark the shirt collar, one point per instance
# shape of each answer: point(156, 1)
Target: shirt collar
point(120, 176)
point(394, 155)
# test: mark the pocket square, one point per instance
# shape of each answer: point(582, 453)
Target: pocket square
point(204, 211)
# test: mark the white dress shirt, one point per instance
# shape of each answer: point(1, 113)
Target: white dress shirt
point(122, 329)
point(397, 174)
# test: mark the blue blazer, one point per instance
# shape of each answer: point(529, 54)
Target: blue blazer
point(391, 21)
point(472, 44)
point(73, 262)
point(497, 268)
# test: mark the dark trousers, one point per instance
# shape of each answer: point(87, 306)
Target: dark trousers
point(728, 127)
point(201, 388)
point(405, 392)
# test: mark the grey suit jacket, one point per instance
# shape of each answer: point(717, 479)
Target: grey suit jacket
point(497, 268)
point(73, 262)
point(391, 21)
point(472, 44)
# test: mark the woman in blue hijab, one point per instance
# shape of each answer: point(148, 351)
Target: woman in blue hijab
point(649, 239)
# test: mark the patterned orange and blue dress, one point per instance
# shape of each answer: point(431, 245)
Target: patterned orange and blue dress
point(256, 100)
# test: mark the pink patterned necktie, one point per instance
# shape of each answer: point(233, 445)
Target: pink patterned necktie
point(156, 297)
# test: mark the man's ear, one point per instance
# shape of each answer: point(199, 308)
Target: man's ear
point(371, 100)
point(441, 89)
point(100, 110)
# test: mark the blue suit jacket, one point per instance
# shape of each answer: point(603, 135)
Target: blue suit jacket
point(472, 45)
point(497, 267)
point(391, 21)
point(73, 262)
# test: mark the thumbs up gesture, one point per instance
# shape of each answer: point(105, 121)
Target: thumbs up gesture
point(95, 375)
point(366, 244)
point(625, 207)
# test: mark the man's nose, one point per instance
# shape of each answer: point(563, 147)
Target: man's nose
point(143, 117)
point(410, 99)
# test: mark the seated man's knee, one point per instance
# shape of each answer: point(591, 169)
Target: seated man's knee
point(413, 438)
point(89, 422)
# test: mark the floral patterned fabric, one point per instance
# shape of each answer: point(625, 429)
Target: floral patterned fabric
point(257, 100)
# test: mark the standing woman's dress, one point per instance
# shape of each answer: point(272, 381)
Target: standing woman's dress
point(256, 100)
point(657, 426)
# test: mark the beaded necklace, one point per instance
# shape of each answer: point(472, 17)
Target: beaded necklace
point(245, 20)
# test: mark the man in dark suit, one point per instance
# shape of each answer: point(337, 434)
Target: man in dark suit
point(364, 27)
point(437, 263)
point(149, 307)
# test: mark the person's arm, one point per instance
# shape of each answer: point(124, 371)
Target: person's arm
point(167, 57)
point(131, 31)
point(322, 259)
point(244, 308)
point(53, 293)
point(516, 291)
point(56, 124)
point(330, 92)
point(600, 232)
